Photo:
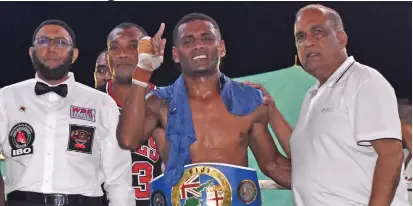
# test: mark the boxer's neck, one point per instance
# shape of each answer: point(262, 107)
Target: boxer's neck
point(202, 87)
point(120, 92)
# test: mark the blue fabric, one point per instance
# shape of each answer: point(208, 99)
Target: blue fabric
point(237, 97)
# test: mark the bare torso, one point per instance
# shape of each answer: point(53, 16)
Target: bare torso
point(220, 136)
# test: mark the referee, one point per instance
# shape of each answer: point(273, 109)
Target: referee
point(57, 135)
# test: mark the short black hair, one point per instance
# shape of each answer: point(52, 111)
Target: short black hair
point(194, 17)
point(58, 23)
point(102, 53)
point(128, 25)
point(332, 15)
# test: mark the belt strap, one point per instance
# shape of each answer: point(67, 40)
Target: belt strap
point(52, 199)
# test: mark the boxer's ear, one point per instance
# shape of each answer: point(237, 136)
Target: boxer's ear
point(175, 55)
point(75, 55)
point(221, 49)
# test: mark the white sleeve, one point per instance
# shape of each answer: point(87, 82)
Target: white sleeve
point(117, 165)
point(373, 111)
point(3, 122)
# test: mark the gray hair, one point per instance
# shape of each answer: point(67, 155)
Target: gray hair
point(332, 15)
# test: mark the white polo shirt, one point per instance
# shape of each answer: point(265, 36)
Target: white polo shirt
point(63, 145)
point(332, 160)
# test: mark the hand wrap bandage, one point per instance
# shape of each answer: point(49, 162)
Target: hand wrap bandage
point(148, 62)
point(147, 59)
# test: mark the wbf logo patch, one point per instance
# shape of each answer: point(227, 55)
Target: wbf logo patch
point(82, 113)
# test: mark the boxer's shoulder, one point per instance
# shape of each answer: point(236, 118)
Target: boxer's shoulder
point(260, 114)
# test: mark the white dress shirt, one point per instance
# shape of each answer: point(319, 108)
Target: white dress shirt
point(63, 145)
point(332, 159)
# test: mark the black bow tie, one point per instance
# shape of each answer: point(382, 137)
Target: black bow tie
point(42, 88)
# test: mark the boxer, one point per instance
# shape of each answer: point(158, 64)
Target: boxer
point(101, 73)
point(210, 122)
point(122, 58)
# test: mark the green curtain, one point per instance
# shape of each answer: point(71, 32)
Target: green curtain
point(287, 87)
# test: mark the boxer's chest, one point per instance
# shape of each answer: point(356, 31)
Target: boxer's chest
point(218, 132)
point(213, 122)
point(220, 136)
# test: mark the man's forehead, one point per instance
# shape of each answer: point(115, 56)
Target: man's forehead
point(311, 16)
point(196, 26)
point(125, 33)
point(53, 31)
point(102, 60)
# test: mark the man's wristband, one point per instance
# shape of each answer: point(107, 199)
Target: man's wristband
point(139, 83)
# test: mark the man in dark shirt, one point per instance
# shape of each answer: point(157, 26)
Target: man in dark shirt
point(123, 58)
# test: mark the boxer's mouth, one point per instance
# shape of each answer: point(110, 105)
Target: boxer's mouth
point(125, 66)
point(199, 57)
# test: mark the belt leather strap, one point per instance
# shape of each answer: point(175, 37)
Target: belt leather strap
point(52, 199)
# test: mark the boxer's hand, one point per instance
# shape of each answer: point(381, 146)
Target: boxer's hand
point(150, 51)
point(268, 100)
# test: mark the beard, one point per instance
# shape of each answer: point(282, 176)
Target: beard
point(52, 73)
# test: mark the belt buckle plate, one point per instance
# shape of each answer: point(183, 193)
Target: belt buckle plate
point(56, 200)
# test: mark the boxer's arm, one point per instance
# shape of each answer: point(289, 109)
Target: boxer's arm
point(162, 145)
point(281, 128)
point(278, 124)
point(138, 119)
point(271, 162)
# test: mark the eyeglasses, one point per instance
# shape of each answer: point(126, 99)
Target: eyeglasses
point(59, 42)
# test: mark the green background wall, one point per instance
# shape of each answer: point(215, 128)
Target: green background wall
point(287, 87)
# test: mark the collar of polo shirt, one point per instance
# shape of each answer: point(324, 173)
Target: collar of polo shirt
point(335, 77)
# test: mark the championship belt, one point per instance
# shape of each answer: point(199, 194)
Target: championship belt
point(209, 184)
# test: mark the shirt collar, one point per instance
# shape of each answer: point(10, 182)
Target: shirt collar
point(70, 81)
point(336, 76)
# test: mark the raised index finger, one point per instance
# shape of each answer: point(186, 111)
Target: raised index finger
point(160, 31)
